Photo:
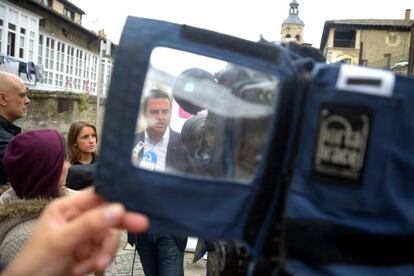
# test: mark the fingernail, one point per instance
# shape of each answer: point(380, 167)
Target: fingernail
point(112, 212)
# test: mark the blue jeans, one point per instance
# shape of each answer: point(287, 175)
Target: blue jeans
point(159, 255)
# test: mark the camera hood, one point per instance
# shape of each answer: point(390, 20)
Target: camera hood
point(179, 202)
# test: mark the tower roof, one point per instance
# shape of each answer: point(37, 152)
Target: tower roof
point(293, 17)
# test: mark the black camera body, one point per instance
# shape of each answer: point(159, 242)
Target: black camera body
point(203, 134)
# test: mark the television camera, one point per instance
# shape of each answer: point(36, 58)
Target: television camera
point(295, 166)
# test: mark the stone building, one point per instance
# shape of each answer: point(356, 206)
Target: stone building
point(293, 26)
point(371, 42)
point(49, 35)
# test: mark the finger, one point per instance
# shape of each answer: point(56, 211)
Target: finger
point(86, 266)
point(83, 251)
point(135, 222)
point(107, 249)
point(91, 223)
point(93, 264)
point(102, 255)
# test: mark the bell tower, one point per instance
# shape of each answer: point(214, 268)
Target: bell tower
point(292, 27)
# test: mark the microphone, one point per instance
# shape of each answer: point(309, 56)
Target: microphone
point(149, 161)
point(136, 150)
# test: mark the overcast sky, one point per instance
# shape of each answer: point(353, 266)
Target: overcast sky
point(245, 19)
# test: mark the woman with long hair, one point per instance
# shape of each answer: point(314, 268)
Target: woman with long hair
point(82, 143)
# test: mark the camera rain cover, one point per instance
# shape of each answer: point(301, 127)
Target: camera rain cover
point(190, 126)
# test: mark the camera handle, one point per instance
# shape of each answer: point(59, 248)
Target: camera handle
point(365, 80)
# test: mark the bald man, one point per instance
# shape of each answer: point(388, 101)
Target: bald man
point(13, 106)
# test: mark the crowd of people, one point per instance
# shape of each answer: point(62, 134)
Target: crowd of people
point(52, 227)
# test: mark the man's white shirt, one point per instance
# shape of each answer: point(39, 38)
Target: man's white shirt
point(160, 149)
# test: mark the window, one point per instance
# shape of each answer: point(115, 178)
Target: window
point(69, 60)
point(11, 43)
point(40, 58)
point(11, 34)
point(31, 45)
point(13, 16)
point(50, 59)
point(94, 67)
point(59, 80)
point(77, 83)
point(52, 53)
point(78, 63)
point(2, 13)
point(12, 27)
point(69, 14)
point(21, 47)
point(24, 20)
point(47, 53)
point(60, 57)
point(93, 74)
point(86, 63)
point(68, 83)
point(31, 49)
point(33, 25)
point(85, 87)
point(65, 32)
point(48, 77)
point(344, 38)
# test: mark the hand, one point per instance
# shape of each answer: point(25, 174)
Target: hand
point(75, 235)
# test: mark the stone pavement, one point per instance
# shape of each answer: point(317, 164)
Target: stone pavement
point(122, 263)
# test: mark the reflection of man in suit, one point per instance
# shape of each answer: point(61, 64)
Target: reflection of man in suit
point(160, 254)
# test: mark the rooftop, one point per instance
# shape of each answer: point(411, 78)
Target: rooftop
point(72, 6)
point(293, 17)
point(365, 24)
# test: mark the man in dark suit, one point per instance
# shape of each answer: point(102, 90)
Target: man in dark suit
point(159, 148)
point(13, 106)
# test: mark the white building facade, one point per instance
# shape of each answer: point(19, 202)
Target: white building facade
point(64, 65)
point(67, 66)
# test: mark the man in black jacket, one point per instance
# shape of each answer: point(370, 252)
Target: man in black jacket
point(13, 106)
point(159, 148)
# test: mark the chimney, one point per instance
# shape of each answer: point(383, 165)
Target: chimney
point(407, 14)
